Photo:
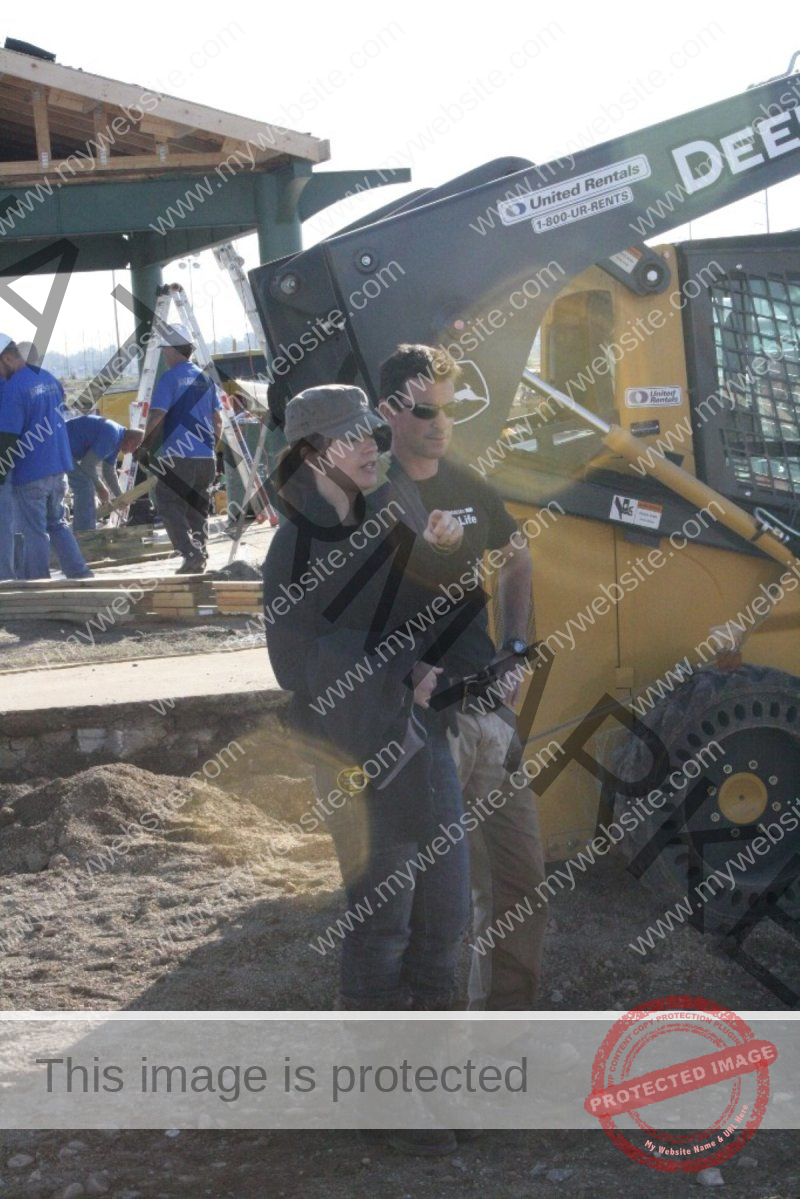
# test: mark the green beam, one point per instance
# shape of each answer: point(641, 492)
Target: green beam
point(327, 187)
point(183, 202)
point(94, 253)
point(188, 241)
point(121, 224)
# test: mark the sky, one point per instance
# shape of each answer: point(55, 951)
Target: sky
point(526, 80)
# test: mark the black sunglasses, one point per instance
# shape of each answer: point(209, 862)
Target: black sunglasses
point(431, 411)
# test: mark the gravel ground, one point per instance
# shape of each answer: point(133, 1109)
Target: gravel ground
point(24, 644)
point(118, 944)
point(338, 1165)
point(138, 933)
point(141, 938)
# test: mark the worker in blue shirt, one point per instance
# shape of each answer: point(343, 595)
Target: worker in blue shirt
point(34, 441)
point(96, 443)
point(179, 446)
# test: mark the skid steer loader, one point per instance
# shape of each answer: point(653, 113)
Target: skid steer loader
point(651, 453)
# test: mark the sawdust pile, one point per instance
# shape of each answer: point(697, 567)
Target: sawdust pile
point(142, 818)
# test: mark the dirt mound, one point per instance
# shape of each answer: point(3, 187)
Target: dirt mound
point(239, 570)
point(137, 818)
point(281, 797)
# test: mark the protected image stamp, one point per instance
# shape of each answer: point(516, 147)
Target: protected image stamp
point(643, 1063)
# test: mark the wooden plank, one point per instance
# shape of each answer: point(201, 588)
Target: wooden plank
point(124, 163)
point(61, 614)
point(118, 533)
point(127, 497)
point(162, 129)
point(41, 126)
point(172, 601)
point(100, 127)
point(237, 586)
point(62, 584)
point(79, 595)
point(70, 101)
point(130, 559)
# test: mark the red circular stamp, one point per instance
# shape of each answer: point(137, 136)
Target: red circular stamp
point(646, 1062)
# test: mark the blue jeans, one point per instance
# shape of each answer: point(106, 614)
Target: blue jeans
point(407, 945)
point(41, 517)
point(84, 507)
point(7, 530)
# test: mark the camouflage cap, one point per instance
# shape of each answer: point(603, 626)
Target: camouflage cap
point(333, 410)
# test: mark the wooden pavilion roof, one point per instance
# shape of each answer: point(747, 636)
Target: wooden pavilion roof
point(55, 116)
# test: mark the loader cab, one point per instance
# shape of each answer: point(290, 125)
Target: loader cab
point(619, 354)
point(709, 370)
point(743, 357)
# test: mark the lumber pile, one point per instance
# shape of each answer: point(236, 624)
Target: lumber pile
point(117, 601)
point(75, 600)
point(181, 596)
point(235, 596)
point(123, 543)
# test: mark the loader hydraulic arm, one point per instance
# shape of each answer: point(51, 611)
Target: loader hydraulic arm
point(451, 266)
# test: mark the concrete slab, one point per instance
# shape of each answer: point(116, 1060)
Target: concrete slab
point(111, 683)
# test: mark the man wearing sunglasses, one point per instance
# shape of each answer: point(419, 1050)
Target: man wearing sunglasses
point(418, 386)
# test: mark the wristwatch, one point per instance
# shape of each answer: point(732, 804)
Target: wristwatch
point(516, 646)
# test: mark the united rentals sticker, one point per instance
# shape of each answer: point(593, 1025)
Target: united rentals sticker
point(575, 199)
point(652, 397)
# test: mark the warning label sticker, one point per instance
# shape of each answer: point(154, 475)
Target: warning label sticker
point(652, 397)
point(636, 512)
point(571, 192)
point(627, 260)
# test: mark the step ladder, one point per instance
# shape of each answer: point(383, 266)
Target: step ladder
point(228, 260)
point(167, 296)
point(232, 262)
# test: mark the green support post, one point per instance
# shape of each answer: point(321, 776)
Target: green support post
point(145, 281)
point(277, 200)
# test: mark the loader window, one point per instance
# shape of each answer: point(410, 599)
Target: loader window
point(757, 352)
point(573, 336)
point(579, 327)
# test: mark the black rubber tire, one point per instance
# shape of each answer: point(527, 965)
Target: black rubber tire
point(753, 714)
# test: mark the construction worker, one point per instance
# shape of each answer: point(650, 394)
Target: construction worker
point(10, 544)
point(96, 443)
point(183, 426)
point(33, 439)
point(417, 386)
point(29, 352)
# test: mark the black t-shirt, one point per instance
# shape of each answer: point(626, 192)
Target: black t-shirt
point(487, 526)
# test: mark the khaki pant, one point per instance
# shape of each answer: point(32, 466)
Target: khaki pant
point(507, 866)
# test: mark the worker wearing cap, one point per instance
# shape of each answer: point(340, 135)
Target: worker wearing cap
point(96, 444)
point(33, 439)
point(183, 425)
